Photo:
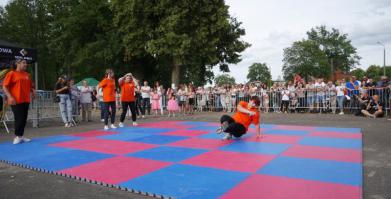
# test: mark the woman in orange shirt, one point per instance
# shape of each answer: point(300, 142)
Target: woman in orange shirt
point(246, 113)
point(108, 88)
point(128, 87)
point(17, 86)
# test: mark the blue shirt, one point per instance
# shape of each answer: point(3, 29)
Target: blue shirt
point(350, 86)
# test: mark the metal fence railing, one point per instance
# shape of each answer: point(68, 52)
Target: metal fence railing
point(295, 101)
point(301, 100)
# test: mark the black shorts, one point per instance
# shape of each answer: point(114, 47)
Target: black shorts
point(181, 103)
point(234, 128)
point(191, 101)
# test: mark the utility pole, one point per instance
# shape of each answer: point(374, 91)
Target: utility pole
point(384, 57)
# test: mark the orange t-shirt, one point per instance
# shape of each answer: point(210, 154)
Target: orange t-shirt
point(244, 118)
point(127, 92)
point(108, 88)
point(19, 84)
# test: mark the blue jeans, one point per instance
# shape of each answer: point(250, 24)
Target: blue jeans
point(310, 100)
point(65, 108)
point(340, 101)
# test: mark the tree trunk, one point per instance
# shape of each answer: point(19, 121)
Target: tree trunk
point(176, 71)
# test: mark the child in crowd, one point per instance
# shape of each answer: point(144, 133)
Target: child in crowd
point(155, 101)
point(173, 106)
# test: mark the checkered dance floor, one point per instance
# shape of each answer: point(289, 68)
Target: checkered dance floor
point(189, 160)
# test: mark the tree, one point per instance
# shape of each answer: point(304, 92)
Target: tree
point(84, 38)
point(192, 35)
point(224, 79)
point(358, 72)
point(26, 22)
point(375, 72)
point(305, 58)
point(338, 48)
point(259, 72)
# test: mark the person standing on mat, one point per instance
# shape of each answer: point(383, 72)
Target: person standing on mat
point(108, 89)
point(246, 113)
point(17, 85)
point(127, 98)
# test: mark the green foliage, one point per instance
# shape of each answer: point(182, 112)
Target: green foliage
point(322, 52)
point(358, 72)
point(375, 72)
point(193, 35)
point(26, 22)
point(147, 37)
point(336, 46)
point(224, 79)
point(259, 72)
point(305, 58)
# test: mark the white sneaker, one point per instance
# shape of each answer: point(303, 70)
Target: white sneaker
point(219, 130)
point(341, 113)
point(102, 120)
point(135, 124)
point(227, 136)
point(143, 116)
point(26, 139)
point(17, 140)
point(67, 125)
point(106, 127)
point(121, 125)
point(113, 126)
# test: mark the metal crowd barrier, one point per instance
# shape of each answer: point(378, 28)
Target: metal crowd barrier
point(299, 101)
point(43, 106)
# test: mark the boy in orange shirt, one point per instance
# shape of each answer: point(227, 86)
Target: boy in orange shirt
point(246, 113)
point(17, 86)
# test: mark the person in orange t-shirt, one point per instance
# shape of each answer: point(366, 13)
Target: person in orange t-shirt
point(108, 88)
point(17, 85)
point(128, 87)
point(246, 113)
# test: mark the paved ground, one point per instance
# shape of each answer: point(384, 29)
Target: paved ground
point(16, 182)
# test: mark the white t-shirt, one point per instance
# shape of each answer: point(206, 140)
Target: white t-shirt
point(145, 92)
point(85, 96)
point(320, 86)
point(310, 87)
point(340, 90)
point(285, 95)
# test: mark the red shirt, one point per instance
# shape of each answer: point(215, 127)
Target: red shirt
point(127, 92)
point(244, 118)
point(19, 84)
point(108, 88)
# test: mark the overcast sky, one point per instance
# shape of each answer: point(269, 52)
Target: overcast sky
point(272, 25)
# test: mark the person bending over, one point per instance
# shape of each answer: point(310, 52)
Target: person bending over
point(246, 113)
point(374, 108)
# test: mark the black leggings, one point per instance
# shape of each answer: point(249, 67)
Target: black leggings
point(20, 116)
point(146, 106)
point(284, 105)
point(107, 106)
point(234, 128)
point(132, 106)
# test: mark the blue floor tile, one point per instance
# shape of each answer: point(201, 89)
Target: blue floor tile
point(160, 139)
point(340, 130)
point(285, 132)
point(332, 142)
point(313, 169)
point(64, 160)
point(124, 136)
point(256, 147)
point(168, 154)
point(185, 181)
